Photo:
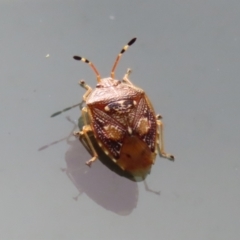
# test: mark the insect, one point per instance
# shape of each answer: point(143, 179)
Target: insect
point(122, 120)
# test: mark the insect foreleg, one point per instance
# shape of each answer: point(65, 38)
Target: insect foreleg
point(83, 136)
point(125, 78)
point(88, 88)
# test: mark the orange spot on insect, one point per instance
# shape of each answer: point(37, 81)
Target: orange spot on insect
point(143, 126)
point(112, 132)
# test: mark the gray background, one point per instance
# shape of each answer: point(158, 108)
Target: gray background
point(186, 58)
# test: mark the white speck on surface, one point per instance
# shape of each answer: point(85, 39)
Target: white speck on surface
point(48, 55)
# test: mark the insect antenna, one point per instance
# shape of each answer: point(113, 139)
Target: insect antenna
point(66, 109)
point(120, 54)
point(91, 65)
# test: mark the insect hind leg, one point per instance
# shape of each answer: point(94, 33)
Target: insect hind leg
point(160, 144)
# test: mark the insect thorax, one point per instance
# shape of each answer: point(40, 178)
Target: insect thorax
point(116, 99)
point(109, 90)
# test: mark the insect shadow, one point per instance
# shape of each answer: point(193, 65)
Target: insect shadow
point(110, 189)
point(104, 187)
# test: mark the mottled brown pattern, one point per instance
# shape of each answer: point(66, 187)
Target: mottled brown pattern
point(122, 120)
point(111, 121)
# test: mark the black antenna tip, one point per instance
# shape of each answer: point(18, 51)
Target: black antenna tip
point(55, 114)
point(77, 58)
point(132, 41)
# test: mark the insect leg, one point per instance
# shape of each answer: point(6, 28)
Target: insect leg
point(150, 190)
point(88, 88)
point(160, 144)
point(84, 134)
point(125, 78)
point(66, 109)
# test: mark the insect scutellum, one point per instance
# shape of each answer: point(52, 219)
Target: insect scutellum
point(78, 58)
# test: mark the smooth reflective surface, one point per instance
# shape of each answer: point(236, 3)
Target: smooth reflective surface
point(187, 60)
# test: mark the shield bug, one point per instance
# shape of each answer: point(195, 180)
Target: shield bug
point(122, 120)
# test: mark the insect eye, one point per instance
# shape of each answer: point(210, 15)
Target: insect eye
point(99, 85)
